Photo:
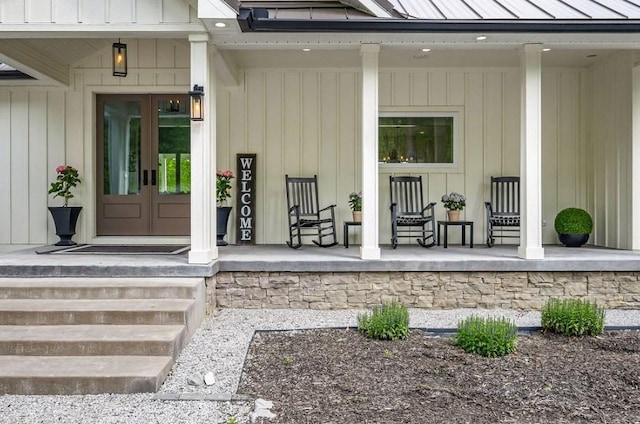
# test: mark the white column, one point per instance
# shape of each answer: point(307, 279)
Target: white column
point(203, 148)
point(530, 153)
point(370, 248)
point(635, 160)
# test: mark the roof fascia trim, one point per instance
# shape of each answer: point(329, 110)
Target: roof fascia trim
point(249, 23)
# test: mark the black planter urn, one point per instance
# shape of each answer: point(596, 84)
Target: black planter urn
point(221, 224)
point(65, 219)
point(573, 240)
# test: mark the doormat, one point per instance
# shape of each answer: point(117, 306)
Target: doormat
point(150, 249)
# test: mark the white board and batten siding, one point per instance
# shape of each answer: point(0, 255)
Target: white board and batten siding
point(306, 122)
point(96, 12)
point(609, 151)
point(41, 128)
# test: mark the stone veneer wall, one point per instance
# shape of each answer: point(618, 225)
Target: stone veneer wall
point(436, 290)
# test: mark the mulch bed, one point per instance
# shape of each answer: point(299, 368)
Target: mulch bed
point(339, 376)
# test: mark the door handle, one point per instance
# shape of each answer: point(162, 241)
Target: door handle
point(145, 177)
point(153, 177)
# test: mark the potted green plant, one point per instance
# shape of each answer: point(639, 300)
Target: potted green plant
point(454, 203)
point(65, 217)
point(223, 193)
point(355, 203)
point(573, 226)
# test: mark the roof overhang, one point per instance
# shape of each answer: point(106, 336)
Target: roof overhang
point(254, 20)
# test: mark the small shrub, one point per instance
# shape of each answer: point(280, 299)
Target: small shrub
point(572, 317)
point(489, 337)
point(390, 321)
point(573, 221)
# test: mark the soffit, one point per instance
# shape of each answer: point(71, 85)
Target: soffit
point(58, 53)
point(411, 57)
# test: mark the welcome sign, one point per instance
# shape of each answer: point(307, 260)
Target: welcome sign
point(246, 198)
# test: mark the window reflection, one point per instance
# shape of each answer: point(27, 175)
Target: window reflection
point(417, 139)
point(122, 143)
point(174, 154)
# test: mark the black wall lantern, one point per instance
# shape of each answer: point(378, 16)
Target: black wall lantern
point(197, 108)
point(119, 59)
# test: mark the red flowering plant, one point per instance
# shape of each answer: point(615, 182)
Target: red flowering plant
point(223, 186)
point(67, 178)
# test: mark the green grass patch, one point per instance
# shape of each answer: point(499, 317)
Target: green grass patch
point(573, 317)
point(390, 321)
point(489, 337)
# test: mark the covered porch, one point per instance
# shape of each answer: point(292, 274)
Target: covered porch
point(552, 101)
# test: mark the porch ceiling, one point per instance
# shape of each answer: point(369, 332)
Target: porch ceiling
point(48, 59)
point(411, 57)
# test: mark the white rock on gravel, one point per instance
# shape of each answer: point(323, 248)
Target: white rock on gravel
point(209, 379)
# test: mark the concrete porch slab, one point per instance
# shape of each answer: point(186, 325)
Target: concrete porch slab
point(409, 258)
point(310, 258)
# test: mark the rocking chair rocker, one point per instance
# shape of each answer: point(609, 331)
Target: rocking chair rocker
point(305, 216)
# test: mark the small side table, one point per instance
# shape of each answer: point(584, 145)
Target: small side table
point(462, 224)
point(347, 224)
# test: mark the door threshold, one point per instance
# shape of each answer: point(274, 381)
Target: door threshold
point(106, 240)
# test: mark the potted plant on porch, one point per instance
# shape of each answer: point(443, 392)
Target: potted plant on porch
point(454, 203)
point(65, 217)
point(355, 203)
point(223, 192)
point(573, 226)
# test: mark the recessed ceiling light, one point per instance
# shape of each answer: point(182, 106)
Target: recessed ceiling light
point(426, 50)
point(546, 49)
point(306, 50)
point(481, 37)
point(220, 25)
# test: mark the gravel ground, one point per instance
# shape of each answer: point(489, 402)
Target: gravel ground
point(220, 346)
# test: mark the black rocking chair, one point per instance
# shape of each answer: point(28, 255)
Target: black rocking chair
point(503, 209)
point(304, 214)
point(409, 216)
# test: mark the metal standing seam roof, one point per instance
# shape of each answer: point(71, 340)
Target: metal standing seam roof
point(422, 16)
point(517, 9)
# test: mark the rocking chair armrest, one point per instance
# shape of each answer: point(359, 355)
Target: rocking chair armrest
point(327, 208)
point(488, 207)
point(393, 206)
point(431, 206)
point(294, 207)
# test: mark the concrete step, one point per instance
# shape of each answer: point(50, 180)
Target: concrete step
point(100, 288)
point(94, 335)
point(84, 340)
point(103, 311)
point(73, 375)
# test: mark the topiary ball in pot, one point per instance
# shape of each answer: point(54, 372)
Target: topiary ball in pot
point(573, 226)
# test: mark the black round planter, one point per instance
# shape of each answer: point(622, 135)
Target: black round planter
point(573, 240)
point(222, 218)
point(65, 219)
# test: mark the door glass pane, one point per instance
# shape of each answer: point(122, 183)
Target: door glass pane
point(174, 147)
point(122, 141)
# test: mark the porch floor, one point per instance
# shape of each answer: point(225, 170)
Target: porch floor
point(309, 258)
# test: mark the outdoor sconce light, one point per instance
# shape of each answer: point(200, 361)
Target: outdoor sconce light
point(197, 109)
point(119, 59)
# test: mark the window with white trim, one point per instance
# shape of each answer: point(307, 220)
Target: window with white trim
point(421, 138)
